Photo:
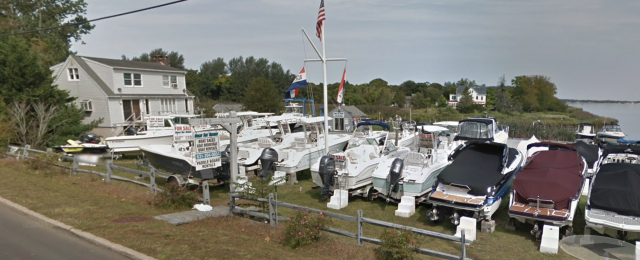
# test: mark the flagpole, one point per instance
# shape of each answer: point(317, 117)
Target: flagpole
point(324, 89)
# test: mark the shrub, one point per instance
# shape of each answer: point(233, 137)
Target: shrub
point(396, 244)
point(176, 197)
point(304, 228)
point(258, 188)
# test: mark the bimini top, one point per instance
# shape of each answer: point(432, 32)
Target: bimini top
point(476, 129)
point(478, 166)
point(378, 123)
point(616, 188)
point(555, 175)
point(590, 152)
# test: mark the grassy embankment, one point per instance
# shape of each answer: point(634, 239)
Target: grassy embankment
point(123, 213)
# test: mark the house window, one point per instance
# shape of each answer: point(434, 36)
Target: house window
point(73, 74)
point(86, 105)
point(170, 81)
point(168, 105)
point(476, 97)
point(453, 97)
point(186, 105)
point(132, 79)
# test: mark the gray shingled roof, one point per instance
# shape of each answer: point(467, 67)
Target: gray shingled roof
point(126, 64)
point(354, 111)
point(481, 90)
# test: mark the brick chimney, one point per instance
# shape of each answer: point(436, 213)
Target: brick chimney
point(161, 59)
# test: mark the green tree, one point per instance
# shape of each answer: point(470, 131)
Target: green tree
point(243, 71)
point(399, 98)
point(262, 97)
point(52, 46)
point(419, 101)
point(210, 72)
point(536, 93)
point(465, 102)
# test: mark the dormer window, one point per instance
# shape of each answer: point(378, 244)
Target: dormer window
point(132, 80)
point(73, 74)
point(169, 81)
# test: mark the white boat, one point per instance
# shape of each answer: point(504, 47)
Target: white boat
point(522, 147)
point(610, 133)
point(614, 194)
point(294, 112)
point(279, 137)
point(585, 131)
point(476, 181)
point(307, 149)
point(485, 128)
point(442, 134)
point(159, 130)
point(405, 134)
point(548, 189)
point(413, 174)
point(365, 150)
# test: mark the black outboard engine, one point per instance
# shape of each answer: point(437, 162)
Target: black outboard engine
point(268, 158)
point(90, 138)
point(394, 175)
point(224, 172)
point(326, 170)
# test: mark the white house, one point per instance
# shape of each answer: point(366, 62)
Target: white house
point(478, 93)
point(123, 92)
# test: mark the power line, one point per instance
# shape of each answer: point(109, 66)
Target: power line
point(94, 20)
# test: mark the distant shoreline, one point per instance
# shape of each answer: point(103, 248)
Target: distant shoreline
point(598, 101)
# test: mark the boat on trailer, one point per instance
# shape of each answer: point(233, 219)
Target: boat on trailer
point(413, 174)
point(610, 133)
point(586, 131)
point(475, 182)
point(614, 195)
point(308, 148)
point(484, 128)
point(548, 189)
point(354, 166)
point(160, 130)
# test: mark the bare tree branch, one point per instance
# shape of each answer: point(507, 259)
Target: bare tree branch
point(18, 112)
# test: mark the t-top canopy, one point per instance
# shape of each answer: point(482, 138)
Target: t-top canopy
point(311, 120)
point(372, 123)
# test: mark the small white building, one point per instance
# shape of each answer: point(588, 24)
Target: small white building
point(343, 118)
point(478, 94)
point(123, 92)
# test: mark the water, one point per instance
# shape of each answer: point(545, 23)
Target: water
point(628, 115)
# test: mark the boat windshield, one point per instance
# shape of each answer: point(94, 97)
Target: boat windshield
point(181, 120)
point(612, 128)
point(353, 143)
point(475, 130)
point(293, 109)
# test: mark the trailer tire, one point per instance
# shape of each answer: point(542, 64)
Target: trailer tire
point(370, 194)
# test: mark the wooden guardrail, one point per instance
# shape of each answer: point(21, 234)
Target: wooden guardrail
point(273, 218)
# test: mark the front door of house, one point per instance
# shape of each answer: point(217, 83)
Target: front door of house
point(338, 124)
point(131, 110)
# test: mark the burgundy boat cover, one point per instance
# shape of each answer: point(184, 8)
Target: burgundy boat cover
point(554, 175)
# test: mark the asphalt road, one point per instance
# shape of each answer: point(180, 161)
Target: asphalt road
point(24, 237)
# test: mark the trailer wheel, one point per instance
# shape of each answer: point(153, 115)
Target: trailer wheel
point(370, 194)
point(172, 182)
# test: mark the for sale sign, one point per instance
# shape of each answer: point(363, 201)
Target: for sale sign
point(155, 122)
point(207, 150)
point(182, 133)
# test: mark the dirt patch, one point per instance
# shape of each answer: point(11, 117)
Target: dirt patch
point(130, 219)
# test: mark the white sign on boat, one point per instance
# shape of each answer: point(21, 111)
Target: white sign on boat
point(207, 154)
point(155, 122)
point(182, 133)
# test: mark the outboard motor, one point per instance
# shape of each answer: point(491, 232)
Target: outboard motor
point(224, 172)
point(268, 158)
point(326, 170)
point(90, 138)
point(394, 175)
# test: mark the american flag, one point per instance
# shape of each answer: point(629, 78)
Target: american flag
point(320, 20)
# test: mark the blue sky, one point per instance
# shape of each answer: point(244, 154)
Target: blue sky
point(590, 49)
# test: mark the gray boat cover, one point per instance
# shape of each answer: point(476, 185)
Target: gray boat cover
point(555, 175)
point(616, 188)
point(478, 166)
point(588, 151)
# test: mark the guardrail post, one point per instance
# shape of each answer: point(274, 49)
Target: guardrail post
point(462, 241)
point(152, 180)
point(74, 167)
point(359, 235)
point(109, 170)
point(232, 203)
point(205, 193)
point(272, 212)
point(25, 152)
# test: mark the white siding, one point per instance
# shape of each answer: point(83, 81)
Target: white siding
point(84, 88)
point(115, 111)
point(151, 83)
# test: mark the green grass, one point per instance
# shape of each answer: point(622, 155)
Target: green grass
point(90, 204)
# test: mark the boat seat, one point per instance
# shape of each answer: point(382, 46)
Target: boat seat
point(548, 204)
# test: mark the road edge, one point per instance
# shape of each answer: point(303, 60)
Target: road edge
point(125, 251)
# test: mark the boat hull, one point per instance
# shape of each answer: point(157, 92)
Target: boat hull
point(176, 164)
point(130, 144)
